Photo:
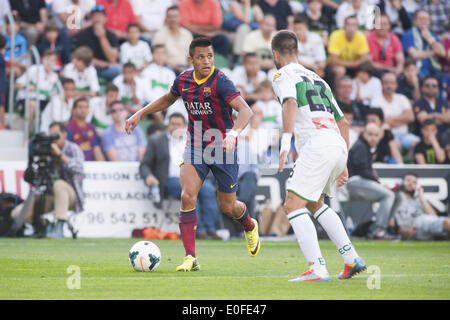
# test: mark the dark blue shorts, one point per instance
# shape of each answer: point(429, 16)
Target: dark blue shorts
point(224, 167)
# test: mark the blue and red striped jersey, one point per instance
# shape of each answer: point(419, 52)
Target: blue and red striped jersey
point(207, 102)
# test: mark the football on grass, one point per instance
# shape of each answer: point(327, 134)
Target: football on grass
point(145, 256)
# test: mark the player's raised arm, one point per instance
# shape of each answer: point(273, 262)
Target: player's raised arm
point(244, 115)
point(159, 104)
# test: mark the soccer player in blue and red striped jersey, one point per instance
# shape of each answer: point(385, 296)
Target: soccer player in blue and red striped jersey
point(210, 98)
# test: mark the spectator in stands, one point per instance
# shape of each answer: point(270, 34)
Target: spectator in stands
point(445, 143)
point(395, 10)
point(117, 145)
point(72, 14)
point(100, 108)
point(268, 133)
point(429, 106)
point(3, 84)
point(281, 10)
point(363, 183)
point(20, 48)
point(104, 44)
point(241, 17)
point(158, 77)
point(54, 39)
point(33, 18)
point(67, 186)
point(358, 8)
point(161, 167)
point(134, 50)
point(248, 76)
point(119, 14)
point(388, 149)
point(204, 18)
point(83, 73)
point(415, 218)
point(397, 110)
point(175, 39)
point(385, 48)
point(408, 81)
point(83, 133)
point(320, 19)
point(348, 48)
point(5, 9)
point(439, 12)
point(312, 51)
point(353, 133)
point(344, 88)
point(59, 109)
point(133, 91)
point(150, 16)
point(423, 46)
point(366, 86)
point(429, 150)
point(41, 75)
point(259, 42)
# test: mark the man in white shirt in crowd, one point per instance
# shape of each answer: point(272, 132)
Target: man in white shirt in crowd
point(248, 76)
point(100, 108)
point(176, 40)
point(312, 51)
point(150, 15)
point(397, 111)
point(134, 50)
point(259, 42)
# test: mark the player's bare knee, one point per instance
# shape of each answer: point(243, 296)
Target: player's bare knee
point(188, 199)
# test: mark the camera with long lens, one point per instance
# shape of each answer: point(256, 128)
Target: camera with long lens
point(40, 162)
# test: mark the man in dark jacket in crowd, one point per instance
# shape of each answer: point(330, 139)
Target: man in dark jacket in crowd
point(363, 181)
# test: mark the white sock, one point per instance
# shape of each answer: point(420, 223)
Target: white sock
point(306, 234)
point(333, 226)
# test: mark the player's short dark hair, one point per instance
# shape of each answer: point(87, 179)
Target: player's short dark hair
point(199, 42)
point(285, 42)
point(67, 80)
point(174, 7)
point(177, 115)
point(376, 112)
point(77, 102)
point(59, 124)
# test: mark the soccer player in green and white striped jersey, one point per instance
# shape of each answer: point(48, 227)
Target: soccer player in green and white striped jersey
point(321, 139)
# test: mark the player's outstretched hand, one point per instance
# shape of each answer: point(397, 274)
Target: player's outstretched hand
point(132, 122)
point(283, 160)
point(229, 143)
point(342, 179)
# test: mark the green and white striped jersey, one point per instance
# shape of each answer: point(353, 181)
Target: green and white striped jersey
point(318, 111)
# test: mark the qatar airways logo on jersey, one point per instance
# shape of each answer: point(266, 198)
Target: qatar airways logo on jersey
point(199, 108)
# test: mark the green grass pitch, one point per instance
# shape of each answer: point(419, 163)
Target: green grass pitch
point(38, 269)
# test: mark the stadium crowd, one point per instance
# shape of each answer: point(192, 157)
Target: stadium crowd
point(390, 76)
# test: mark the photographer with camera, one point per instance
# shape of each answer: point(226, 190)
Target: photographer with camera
point(415, 218)
point(55, 172)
